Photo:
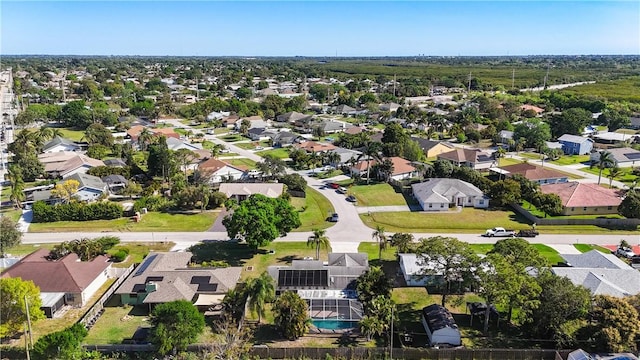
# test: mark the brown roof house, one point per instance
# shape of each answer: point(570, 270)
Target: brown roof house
point(241, 191)
point(166, 276)
point(67, 281)
point(472, 158)
point(218, 171)
point(584, 199)
point(533, 173)
point(402, 168)
point(313, 146)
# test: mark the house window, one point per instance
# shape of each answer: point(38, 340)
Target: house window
point(609, 207)
point(441, 206)
point(481, 202)
point(584, 208)
point(573, 209)
point(430, 205)
point(133, 296)
point(70, 297)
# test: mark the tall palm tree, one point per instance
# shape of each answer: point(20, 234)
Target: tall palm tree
point(613, 172)
point(261, 291)
point(606, 160)
point(318, 239)
point(216, 150)
point(371, 151)
point(380, 236)
point(14, 175)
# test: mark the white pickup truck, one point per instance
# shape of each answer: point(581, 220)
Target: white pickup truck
point(499, 232)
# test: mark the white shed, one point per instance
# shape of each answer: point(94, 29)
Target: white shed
point(440, 326)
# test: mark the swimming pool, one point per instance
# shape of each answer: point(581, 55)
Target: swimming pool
point(335, 324)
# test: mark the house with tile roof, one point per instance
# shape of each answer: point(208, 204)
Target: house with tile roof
point(602, 274)
point(472, 158)
point(584, 199)
point(537, 174)
point(575, 145)
point(166, 276)
point(218, 171)
point(241, 191)
point(402, 168)
point(314, 146)
point(292, 117)
point(66, 281)
point(438, 194)
point(536, 109)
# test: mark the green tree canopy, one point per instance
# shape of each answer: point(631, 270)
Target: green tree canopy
point(13, 313)
point(291, 315)
point(630, 206)
point(373, 283)
point(65, 344)
point(176, 324)
point(534, 131)
point(261, 291)
point(616, 324)
point(259, 220)
point(10, 234)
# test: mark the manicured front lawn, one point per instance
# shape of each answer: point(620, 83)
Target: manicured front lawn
point(571, 159)
point(117, 323)
point(247, 163)
point(153, 221)
point(583, 248)
point(508, 161)
point(376, 195)
point(233, 138)
point(549, 253)
point(278, 153)
point(138, 251)
point(626, 175)
point(481, 249)
point(11, 213)
point(316, 210)
point(71, 134)
point(467, 221)
point(25, 249)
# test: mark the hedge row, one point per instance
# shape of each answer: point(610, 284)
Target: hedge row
point(76, 211)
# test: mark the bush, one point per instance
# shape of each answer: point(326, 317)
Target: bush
point(216, 200)
point(120, 255)
point(107, 242)
point(76, 212)
point(153, 203)
point(65, 344)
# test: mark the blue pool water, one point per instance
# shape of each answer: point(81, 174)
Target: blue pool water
point(335, 324)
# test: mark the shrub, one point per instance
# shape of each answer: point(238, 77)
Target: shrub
point(76, 212)
point(216, 200)
point(153, 203)
point(120, 255)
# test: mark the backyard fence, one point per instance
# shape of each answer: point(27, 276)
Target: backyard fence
point(94, 313)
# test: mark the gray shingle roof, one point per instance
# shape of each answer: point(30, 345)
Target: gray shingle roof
point(594, 259)
point(58, 141)
point(439, 189)
point(88, 181)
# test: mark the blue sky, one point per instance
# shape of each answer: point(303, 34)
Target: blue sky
point(320, 28)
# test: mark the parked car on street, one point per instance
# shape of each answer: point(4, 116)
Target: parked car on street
point(342, 190)
point(334, 185)
point(499, 232)
point(527, 233)
point(334, 217)
point(351, 198)
point(625, 252)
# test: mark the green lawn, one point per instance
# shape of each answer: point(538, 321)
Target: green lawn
point(571, 159)
point(278, 153)
point(550, 254)
point(71, 134)
point(467, 221)
point(11, 213)
point(532, 156)
point(316, 209)
point(138, 251)
point(252, 145)
point(508, 161)
point(371, 249)
point(481, 249)
point(233, 138)
point(583, 248)
point(117, 323)
point(248, 163)
point(626, 175)
point(153, 221)
point(25, 249)
point(376, 195)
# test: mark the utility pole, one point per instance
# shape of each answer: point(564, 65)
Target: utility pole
point(391, 337)
point(26, 305)
point(544, 86)
point(394, 85)
point(26, 344)
point(513, 79)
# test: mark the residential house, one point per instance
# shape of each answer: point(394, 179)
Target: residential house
point(614, 138)
point(622, 157)
point(402, 168)
point(292, 117)
point(440, 326)
point(66, 281)
point(413, 271)
point(584, 199)
point(314, 147)
point(230, 121)
point(345, 110)
point(177, 144)
point(215, 115)
point(575, 145)
point(331, 127)
point(325, 286)
point(259, 134)
point(241, 191)
point(433, 148)
point(537, 174)
point(551, 145)
point(505, 136)
point(91, 187)
point(536, 109)
point(390, 107)
point(354, 130)
point(439, 194)
point(116, 183)
point(66, 163)
point(166, 276)
point(635, 122)
point(254, 122)
point(602, 274)
point(58, 144)
point(346, 156)
point(284, 139)
point(471, 158)
point(134, 132)
point(118, 163)
point(219, 171)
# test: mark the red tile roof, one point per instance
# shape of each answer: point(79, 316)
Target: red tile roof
point(526, 107)
point(65, 275)
point(575, 194)
point(400, 165)
point(213, 165)
point(314, 146)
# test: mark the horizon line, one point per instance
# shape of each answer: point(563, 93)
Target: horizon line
point(322, 56)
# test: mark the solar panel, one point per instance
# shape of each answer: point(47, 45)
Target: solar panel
point(306, 278)
point(632, 156)
point(484, 158)
point(200, 279)
point(207, 287)
point(154, 278)
point(145, 264)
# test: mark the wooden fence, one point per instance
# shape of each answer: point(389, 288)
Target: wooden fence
point(94, 313)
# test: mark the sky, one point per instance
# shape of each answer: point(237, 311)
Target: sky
point(320, 28)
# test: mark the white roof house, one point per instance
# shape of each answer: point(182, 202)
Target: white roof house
point(437, 194)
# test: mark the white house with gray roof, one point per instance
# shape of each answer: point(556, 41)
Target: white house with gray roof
point(622, 157)
point(439, 194)
point(241, 191)
point(90, 188)
point(60, 144)
point(602, 274)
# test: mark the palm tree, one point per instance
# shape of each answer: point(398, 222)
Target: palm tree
point(372, 152)
point(144, 138)
point(14, 175)
point(606, 160)
point(216, 150)
point(613, 172)
point(318, 239)
point(381, 238)
point(371, 326)
point(260, 291)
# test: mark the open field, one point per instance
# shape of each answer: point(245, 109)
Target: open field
point(614, 90)
point(313, 211)
point(152, 221)
point(467, 221)
point(376, 195)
